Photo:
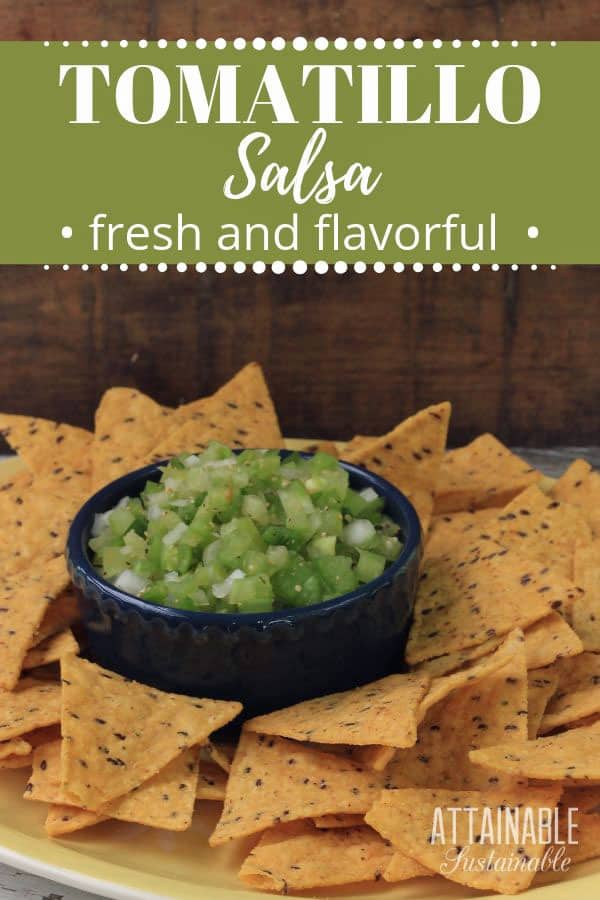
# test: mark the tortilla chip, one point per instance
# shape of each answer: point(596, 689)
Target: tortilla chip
point(406, 819)
point(585, 613)
point(410, 456)
point(580, 486)
point(275, 780)
point(478, 707)
point(117, 733)
point(451, 662)
point(128, 425)
point(24, 599)
point(376, 758)
point(51, 650)
point(300, 857)
point(449, 531)
point(549, 639)
point(578, 693)
point(359, 442)
point(63, 819)
point(240, 414)
point(220, 754)
point(587, 799)
point(62, 452)
point(35, 522)
point(342, 820)
point(483, 474)
point(17, 761)
point(541, 685)
point(545, 641)
point(14, 747)
point(32, 704)
point(581, 840)
point(212, 782)
point(62, 612)
point(462, 602)
point(540, 527)
point(164, 801)
point(401, 868)
point(382, 712)
point(573, 756)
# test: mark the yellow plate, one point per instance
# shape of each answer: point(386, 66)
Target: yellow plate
point(131, 862)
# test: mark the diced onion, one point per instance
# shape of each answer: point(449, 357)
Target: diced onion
point(131, 583)
point(172, 536)
point(191, 460)
point(369, 494)
point(100, 523)
point(171, 576)
point(220, 463)
point(154, 511)
point(358, 533)
point(171, 484)
point(223, 588)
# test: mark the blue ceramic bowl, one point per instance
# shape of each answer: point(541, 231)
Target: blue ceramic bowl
point(265, 660)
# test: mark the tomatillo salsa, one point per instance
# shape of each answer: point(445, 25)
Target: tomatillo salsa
point(248, 532)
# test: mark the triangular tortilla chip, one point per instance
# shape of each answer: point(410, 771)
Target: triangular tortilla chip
point(550, 639)
point(32, 704)
point(300, 857)
point(212, 782)
point(341, 820)
point(573, 756)
point(587, 799)
point(16, 761)
point(51, 650)
point(540, 527)
point(35, 521)
point(240, 414)
point(382, 712)
point(117, 733)
point(586, 835)
point(578, 693)
point(483, 474)
point(24, 599)
point(541, 685)
point(128, 425)
point(406, 818)
point(545, 641)
point(273, 780)
point(402, 868)
point(63, 819)
point(410, 456)
point(62, 612)
point(462, 602)
point(580, 486)
point(487, 704)
point(61, 452)
point(451, 530)
point(164, 801)
point(585, 614)
point(14, 747)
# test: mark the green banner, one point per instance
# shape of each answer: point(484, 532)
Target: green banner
point(396, 153)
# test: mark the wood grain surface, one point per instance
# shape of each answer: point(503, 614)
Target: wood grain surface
point(516, 352)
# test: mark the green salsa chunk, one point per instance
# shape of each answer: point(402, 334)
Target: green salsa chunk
point(247, 532)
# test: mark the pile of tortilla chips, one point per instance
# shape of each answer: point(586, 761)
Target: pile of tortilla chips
point(498, 707)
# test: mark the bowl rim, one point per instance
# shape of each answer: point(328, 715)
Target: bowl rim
point(79, 563)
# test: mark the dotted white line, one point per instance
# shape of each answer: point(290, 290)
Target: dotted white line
point(301, 267)
point(301, 43)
